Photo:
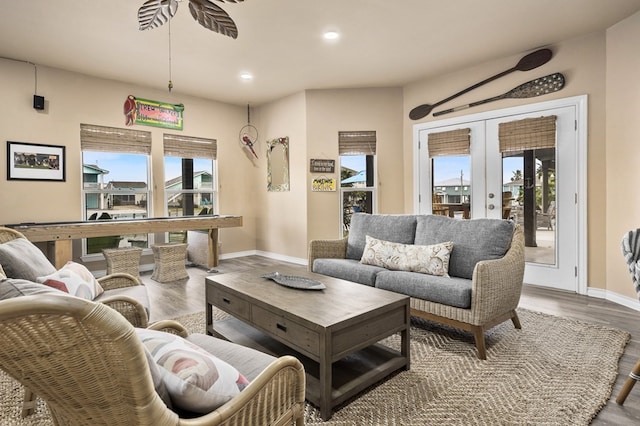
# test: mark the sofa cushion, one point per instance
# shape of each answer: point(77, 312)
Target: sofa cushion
point(249, 362)
point(347, 269)
point(473, 240)
point(15, 287)
point(137, 292)
point(447, 291)
point(21, 259)
point(394, 228)
point(195, 379)
point(432, 260)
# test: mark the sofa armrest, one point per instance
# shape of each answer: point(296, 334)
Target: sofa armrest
point(118, 280)
point(129, 308)
point(276, 396)
point(497, 283)
point(319, 249)
point(169, 326)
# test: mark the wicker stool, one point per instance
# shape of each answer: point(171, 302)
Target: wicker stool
point(125, 259)
point(170, 259)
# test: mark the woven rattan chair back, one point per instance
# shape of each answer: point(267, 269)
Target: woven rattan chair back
point(86, 361)
point(8, 234)
point(82, 358)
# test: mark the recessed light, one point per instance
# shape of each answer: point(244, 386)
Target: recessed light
point(246, 76)
point(331, 35)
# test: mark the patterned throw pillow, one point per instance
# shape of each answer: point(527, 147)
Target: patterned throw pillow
point(195, 380)
point(74, 279)
point(2, 274)
point(432, 260)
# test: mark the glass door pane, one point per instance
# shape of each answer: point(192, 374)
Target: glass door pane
point(451, 189)
point(529, 198)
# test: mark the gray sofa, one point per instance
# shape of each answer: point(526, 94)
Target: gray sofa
point(485, 271)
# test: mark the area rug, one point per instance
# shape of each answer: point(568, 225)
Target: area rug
point(555, 371)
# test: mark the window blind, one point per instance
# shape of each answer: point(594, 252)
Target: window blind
point(357, 143)
point(527, 134)
point(189, 147)
point(453, 142)
point(113, 139)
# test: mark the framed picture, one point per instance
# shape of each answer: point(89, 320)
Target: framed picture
point(32, 161)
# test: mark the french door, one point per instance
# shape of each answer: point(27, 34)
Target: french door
point(536, 186)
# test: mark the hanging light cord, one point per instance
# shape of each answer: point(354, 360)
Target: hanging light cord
point(170, 82)
point(248, 115)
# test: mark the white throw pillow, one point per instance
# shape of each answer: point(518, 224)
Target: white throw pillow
point(432, 260)
point(195, 380)
point(75, 279)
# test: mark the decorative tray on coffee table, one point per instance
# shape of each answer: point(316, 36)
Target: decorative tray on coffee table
point(295, 281)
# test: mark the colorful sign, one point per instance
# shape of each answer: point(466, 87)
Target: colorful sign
point(153, 113)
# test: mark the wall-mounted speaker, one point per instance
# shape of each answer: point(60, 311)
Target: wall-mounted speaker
point(38, 102)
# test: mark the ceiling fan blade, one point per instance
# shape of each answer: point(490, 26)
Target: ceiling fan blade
point(154, 13)
point(213, 17)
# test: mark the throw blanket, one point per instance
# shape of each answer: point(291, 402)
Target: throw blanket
point(631, 251)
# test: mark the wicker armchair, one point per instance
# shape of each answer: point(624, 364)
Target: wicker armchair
point(127, 305)
point(89, 366)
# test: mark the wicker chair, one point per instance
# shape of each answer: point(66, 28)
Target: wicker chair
point(128, 306)
point(87, 363)
point(631, 253)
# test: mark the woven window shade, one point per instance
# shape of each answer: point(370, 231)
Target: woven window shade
point(453, 142)
point(530, 133)
point(113, 139)
point(189, 147)
point(357, 143)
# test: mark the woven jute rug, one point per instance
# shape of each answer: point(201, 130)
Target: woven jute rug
point(555, 371)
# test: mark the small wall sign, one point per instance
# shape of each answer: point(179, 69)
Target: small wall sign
point(322, 166)
point(323, 184)
point(153, 113)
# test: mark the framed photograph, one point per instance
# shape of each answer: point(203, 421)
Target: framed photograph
point(32, 161)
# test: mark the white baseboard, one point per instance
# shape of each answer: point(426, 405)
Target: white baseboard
point(276, 256)
point(626, 301)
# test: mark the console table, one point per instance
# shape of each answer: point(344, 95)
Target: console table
point(61, 234)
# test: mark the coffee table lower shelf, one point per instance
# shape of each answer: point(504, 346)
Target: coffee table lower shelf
point(350, 375)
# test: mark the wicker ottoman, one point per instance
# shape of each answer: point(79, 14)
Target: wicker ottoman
point(125, 259)
point(170, 259)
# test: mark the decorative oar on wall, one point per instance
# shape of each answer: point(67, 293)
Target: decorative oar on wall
point(540, 86)
point(528, 62)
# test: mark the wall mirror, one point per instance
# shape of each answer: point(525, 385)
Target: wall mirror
point(278, 164)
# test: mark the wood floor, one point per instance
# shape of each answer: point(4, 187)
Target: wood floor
point(170, 300)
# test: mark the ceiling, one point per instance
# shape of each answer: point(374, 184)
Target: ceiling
point(383, 42)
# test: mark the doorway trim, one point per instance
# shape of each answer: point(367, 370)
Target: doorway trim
point(580, 105)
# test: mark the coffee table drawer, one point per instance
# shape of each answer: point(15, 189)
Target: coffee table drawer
point(230, 303)
point(294, 334)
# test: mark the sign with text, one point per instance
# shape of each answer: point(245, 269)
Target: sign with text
point(153, 113)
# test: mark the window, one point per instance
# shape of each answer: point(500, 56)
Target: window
point(357, 174)
point(115, 181)
point(190, 177)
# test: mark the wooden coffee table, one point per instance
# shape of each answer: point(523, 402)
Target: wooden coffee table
point(334, 332)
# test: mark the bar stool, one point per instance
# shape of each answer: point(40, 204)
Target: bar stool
point(170, 259)
point(123, 259)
